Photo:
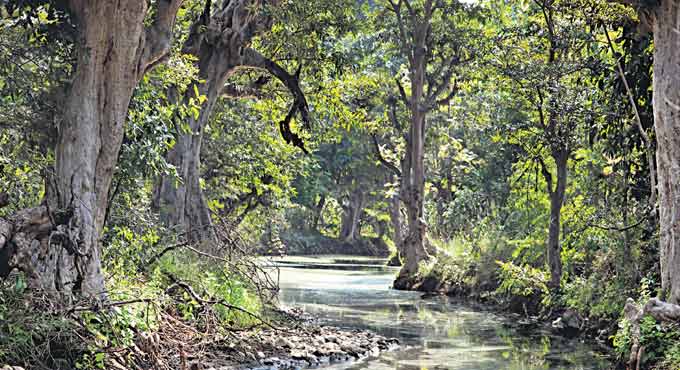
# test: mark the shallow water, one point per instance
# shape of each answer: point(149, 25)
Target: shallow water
point(436, 333)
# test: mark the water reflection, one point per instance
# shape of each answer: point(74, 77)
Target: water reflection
point(353, 292)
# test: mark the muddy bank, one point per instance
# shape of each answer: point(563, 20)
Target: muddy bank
point(303, 344)
point(558, 320)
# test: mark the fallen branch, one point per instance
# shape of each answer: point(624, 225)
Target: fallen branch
point(221, 302)
point(98, 306)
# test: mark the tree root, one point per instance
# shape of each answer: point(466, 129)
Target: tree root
point(661, 311)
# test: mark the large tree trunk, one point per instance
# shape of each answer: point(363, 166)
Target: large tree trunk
point(395, 218)
point(414, 242)
point(218, 45)
point(554, 251)
point(351, 216)
point(180, 202)
point(220, 42)
point(667, 125)
point(57, 245)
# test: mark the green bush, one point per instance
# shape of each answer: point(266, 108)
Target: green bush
point(524, 281)
point(661, 342)
point(32, 332)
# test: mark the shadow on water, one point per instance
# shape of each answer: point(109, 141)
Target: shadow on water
point(353, 292)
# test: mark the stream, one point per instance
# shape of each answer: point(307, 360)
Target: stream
point(435, 333)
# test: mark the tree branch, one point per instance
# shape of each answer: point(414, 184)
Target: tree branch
point(159, 34)
point(187, 288)
point(235, 91)
point(546, 173)
point(619, 229)
point(165, 250)
point(403, 36)
point(382, 159)
point(539, 106)
point(449, 96)
point(253, 58)
point(645, 138)
point(402, 92)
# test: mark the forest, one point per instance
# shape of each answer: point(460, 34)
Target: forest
point(168, 166)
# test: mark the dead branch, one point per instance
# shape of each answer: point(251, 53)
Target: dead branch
point(98, 307)
point(221, 302)
point(382, 159)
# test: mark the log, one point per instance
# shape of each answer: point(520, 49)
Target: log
point(662, 311)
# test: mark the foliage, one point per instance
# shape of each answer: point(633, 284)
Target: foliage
point(523, 281)
point(660, 342)
point(531, 79)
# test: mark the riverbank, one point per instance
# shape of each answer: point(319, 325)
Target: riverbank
point(311, 242)
point(435, 331)
point(294, 340)
point(301, 343)
point(502, 291)
point(587, 309)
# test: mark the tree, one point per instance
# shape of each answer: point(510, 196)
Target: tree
point(57, 244)
point(430, 37)
point(662, 17)
point(551, 68)
point(220, 41)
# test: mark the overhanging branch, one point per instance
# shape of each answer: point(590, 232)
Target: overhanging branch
point(382, 159)
point(253, 58)
point(159, 34)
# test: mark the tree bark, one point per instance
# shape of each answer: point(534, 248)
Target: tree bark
point(317, 218)
point(414, 178)
point(181, 204)
point(395, 218)
point(349, 230)
point(220, 42)
point(57, 245)
point(554, 251)
point(667, 125)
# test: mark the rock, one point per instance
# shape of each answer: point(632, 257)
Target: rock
point(331, 339)
point(351, 349)
point(260, 355)
point(298, 355)
point(572, 319)
point(271, 361)
point(568, 324)
point(283, 342)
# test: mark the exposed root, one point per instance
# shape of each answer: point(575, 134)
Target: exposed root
point(656, 308)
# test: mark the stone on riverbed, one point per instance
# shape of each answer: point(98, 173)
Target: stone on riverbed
point(307, 345)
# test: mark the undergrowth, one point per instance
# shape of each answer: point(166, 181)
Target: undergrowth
point(164, 297)
point(508, 271)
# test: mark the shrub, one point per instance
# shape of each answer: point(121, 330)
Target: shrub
point(524, 281)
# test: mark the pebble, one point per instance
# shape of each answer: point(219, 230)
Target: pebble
point(309, 346)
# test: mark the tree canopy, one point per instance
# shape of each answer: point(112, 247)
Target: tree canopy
point(521, 151)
